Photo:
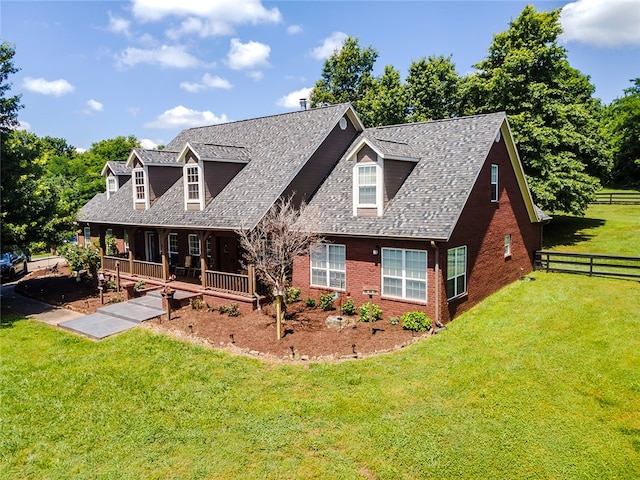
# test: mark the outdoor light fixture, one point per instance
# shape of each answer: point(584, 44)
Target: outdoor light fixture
point(376, 250)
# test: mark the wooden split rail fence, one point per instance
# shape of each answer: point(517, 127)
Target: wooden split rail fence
point(618, 198)
point(588, 264)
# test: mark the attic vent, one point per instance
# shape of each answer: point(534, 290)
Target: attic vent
point(498, 136)
point(343, 123)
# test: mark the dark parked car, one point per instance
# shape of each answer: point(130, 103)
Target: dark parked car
point(12, 263)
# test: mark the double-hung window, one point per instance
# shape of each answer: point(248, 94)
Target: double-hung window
point(192, 174)
point(139, 190)
point(507, 245)
point(328, 266)
point(194, 245)
point(367, 185)
point(173, 248)
point(112, 186)
point(494, 183)
point(87, 236)
point(404, 274)
point(456, 271)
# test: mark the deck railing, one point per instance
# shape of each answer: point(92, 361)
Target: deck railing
point(147, 269)
point(588, 264)
point(109, 263)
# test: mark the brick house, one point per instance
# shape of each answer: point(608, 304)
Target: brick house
point(435, 216)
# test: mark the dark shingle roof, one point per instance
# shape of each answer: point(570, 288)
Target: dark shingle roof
point(279, 147)
point(118, 168)
point(427, 206)
point(157, 157)
point(208, 151)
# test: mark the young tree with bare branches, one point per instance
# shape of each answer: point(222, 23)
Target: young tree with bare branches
point(283, 233)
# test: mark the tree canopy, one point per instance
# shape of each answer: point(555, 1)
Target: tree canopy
point(550, 107)
point(9, 105)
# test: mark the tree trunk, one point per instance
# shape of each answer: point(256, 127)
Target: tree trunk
point(279, 316)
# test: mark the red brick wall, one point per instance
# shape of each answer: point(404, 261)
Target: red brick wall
point(482, 228)
point(364, 269)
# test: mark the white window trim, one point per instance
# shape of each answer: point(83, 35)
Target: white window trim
point(327, 269)
point(145, 182)
point(404, 278)
point(379, 185)
point(200, 200)
point(495, 168)
point(174, 252)
point(507, 245)
point(193, 252)
point(449, 277)
point(87, 236)
point(111, 181)
point(125, 239)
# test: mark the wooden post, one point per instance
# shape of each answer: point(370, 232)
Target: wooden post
point(130, 263)
point(163, 235)
point(118, 275)
point(101, 258)
point(203, 236)
point(278, 319)
point(251, 273)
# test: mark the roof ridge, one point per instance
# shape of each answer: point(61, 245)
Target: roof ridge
point(439, 120)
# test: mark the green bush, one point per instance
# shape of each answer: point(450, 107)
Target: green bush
point(349, 307)
point(394, 320)
point(293, 295)
point(140, 285)
point(416, 321)
point(232, 309)
point(326, 301)
point(310, 302)
point(376, 312)
point(81, 258)
point(197, 303)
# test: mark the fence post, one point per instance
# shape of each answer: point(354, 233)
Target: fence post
point(590, 266)
point(548, 261)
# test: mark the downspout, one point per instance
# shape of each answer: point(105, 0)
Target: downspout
point(437, 280)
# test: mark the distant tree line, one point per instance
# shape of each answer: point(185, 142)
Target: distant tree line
point(569, 143)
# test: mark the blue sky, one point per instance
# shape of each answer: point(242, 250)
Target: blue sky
point(92, 70)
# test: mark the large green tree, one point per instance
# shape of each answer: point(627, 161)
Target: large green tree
point(346, 75)
point(622, 125)
point(551, 110)
point(384, 101)
point(9, 105)
point(433, 88)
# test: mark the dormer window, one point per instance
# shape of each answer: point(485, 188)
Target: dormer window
point(140, 197)
point(112, 186)
point(193, 187)
point(367, 183)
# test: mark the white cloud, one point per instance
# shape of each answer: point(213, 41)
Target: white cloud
point(294, 29)
point(118, 25)
point(243, 56)
point(292, 100)
point(22, 125)
point(330, 44)
point(165, 56)
point(206, 18)
point(207, 81)
point(45, 87)
point(148, 144)
point(257, 75)
point(95, 106)
point(183, 117)
point(80, 149)
point(603, 23)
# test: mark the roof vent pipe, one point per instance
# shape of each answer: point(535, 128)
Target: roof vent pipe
point(303, 103)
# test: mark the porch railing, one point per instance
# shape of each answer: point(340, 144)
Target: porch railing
point(147, 269)
point(229, 282)
point(109, 263)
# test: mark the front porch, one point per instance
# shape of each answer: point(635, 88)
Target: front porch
point(214, 286)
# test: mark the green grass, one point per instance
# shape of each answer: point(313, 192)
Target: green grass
point(542, 380)
point(608, 229)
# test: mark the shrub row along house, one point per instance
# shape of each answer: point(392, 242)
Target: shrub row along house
point(429, 216)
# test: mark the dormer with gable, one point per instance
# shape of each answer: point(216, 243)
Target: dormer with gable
point(207, 169)
point(380, 167)
point(116, 175)
point(153, 172)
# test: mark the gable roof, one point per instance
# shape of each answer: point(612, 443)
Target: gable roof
point(152, 157)
point(279, 146)
point(427, 206)
point(213, 152)
point(117, 168)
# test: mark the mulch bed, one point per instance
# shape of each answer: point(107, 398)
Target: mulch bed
point(306, 334)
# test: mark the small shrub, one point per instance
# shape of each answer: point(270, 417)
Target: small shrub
point(326, 301)
point(116, 298)
point(394, 320)
point(110, 285)
point(376, 312)
point(140, 284)
point(232, 309)
point(197, 303)
point(416, 321)
point(310, 303)
point(293, 295)
point(349, 308)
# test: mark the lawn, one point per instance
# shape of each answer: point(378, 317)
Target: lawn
point(609, 229)
point(542, 380)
